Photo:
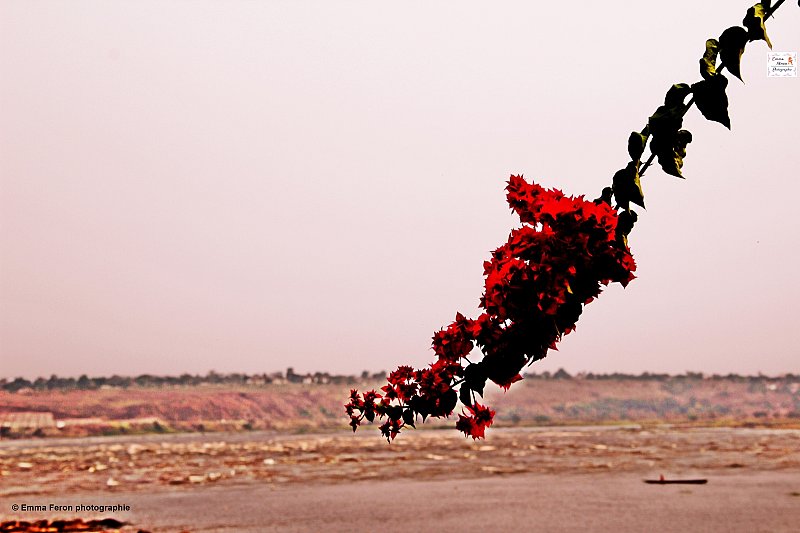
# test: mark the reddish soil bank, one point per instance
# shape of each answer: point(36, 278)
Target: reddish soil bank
point(315, 407)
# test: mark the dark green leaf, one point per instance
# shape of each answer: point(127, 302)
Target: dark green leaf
point(636, 144)
point(711, 100)
point(731, 47)
point(677, 94)
point(754, 22)
point(670, 150)
point(448, 401)
point(475, 377)
point(625, 225)
point(628, 186)
point(708, 64)
point(666, 120)
point(664, 126)
point(395, 412)
point(605, 196)
point(465, 395)
point(421, 406)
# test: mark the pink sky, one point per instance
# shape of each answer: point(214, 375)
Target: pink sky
point(247, 186)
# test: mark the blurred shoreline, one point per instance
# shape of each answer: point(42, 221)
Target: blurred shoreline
point(303, 405)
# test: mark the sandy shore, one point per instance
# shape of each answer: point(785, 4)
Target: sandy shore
point(554, 479)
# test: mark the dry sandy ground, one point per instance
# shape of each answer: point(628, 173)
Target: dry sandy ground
point(555, 479)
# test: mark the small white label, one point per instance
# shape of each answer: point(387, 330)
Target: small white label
point(782, 64)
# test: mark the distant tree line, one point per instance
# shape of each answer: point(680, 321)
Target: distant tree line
point(85, 382)
point(650, 376)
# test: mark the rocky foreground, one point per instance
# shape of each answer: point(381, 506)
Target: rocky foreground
point(262, 481)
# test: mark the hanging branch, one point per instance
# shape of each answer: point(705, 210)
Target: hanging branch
point(667, 140)
point(558, 261)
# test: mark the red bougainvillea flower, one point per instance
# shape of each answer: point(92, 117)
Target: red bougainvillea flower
point(455, 341)
point(536, 285)
point(474, 425)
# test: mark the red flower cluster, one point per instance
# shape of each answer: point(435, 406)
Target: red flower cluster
point(535, 289)
point(474, 425)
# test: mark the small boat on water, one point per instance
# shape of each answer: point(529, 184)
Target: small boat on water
point(662, 481)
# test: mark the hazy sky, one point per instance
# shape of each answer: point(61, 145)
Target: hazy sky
point(247, 186)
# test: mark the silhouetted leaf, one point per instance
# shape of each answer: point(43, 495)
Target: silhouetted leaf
point(671, 150)
point(421, 406)
point(665, 121)
point(668, 118)
point(628, 186)
point(637, 142)
point(711, 100)
point(502, 368)
point(408, 418)
point(754, 22)
point(449, 401)
point(625, 224)
point(465, 394)
point(605, 196)
point(395, 412)
point(475, 377)
point(708, 64)
point(677, 94)
point(665, 126)
point(731, 47)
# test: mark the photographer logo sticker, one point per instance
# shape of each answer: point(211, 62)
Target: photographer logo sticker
point(782, 64)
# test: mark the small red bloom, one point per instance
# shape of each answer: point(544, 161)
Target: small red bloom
point(455, 341)
point(401, 375)
point(474, 425)
point(390, 429)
